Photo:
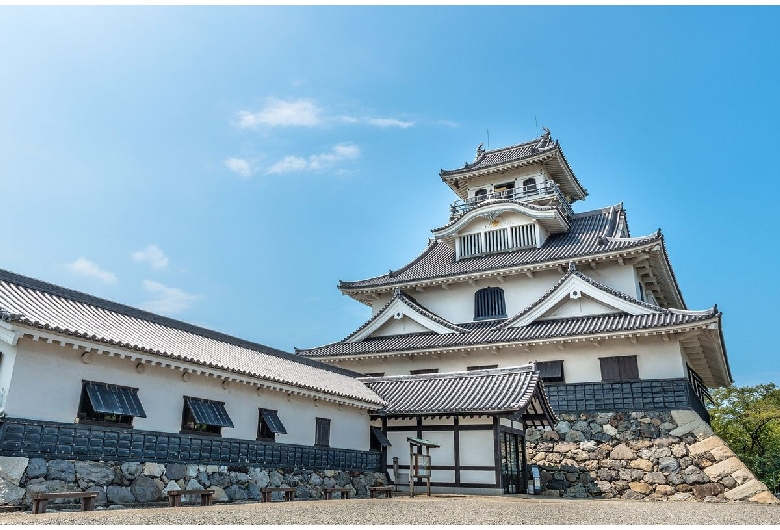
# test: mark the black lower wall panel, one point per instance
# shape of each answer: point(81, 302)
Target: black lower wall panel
point(50, 440)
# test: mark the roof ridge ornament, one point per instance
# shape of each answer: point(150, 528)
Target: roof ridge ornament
point(545, 139)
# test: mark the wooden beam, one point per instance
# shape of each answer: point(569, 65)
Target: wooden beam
point(530, 274)
point(620, 261)
point(593, 265)
point(419, 289)
point(472, 282)
point(500, 279)
point(445, 286)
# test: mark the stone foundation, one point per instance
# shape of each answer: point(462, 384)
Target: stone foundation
point(129, 483)
point(641, 455)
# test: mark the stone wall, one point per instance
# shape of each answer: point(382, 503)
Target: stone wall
point(650, 455)
point(129, 483)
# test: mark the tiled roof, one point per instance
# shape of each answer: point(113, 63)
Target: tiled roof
point(493, 391)
point(494, 334)
point(574, 272)
point(505, 154)
point(46, 306)
point(590, 233)
point(542, 147)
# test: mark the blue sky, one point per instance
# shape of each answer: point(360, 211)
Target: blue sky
point(227, 166)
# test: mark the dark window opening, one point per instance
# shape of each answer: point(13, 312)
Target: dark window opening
point(529, 185)
point(622, 368)
point(422, 371)
point(504, 190)
point(204, 416)
point(481, 367)
point(378, 439)
point(551, 371)
point(480, 194)
point(641, 291)
point(269, 425)
point(489, 303)
point(102, 403)
point(322, 434)
point(374, 374)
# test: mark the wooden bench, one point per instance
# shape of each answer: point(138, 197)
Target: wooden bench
point(330, 491)
point(40, 500)
point(174, 497)
point(265, 494)
point(374, 491)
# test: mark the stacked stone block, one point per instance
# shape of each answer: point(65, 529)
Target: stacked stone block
point(641, 455)
point(132, 483)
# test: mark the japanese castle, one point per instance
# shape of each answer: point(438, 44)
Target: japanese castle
point(517, 277)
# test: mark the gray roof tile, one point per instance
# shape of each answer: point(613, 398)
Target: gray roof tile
point(590, 233)
point(501, 332)
point(492, 391)
point(46, 306)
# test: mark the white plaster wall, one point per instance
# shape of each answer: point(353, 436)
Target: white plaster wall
point(7, 361)
point(398, 327)
point(656, 359)
point(47, 384)
point(518, 176)
point(582, 306)
point(477, 450)
point(456, 303)
point(612, 274)
point(478, 477)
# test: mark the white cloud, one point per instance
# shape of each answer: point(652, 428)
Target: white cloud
point(85, 267)
point(315, 162)
point(389, 122)
point(153, 255)
point(167, 300)
point(239, 166)
point(377, 122)
point(300, 112)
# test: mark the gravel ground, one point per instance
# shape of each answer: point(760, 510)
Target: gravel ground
point(439, 509)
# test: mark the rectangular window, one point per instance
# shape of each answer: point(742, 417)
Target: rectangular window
point(269, 425)
point(424, 371)
point(482, 367)
point(622, 368)
point(374, 374)
point(109, 404)
point(322, 434)
point(204, 416)
point(550, 371)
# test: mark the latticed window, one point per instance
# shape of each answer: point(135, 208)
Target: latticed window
point(489, 303)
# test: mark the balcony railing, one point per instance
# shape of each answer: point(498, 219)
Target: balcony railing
point(521, 194)
point(698, 386)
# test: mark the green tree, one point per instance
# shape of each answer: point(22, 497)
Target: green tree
point(748, 419)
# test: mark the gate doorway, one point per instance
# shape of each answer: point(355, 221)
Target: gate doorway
point(512, 463)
